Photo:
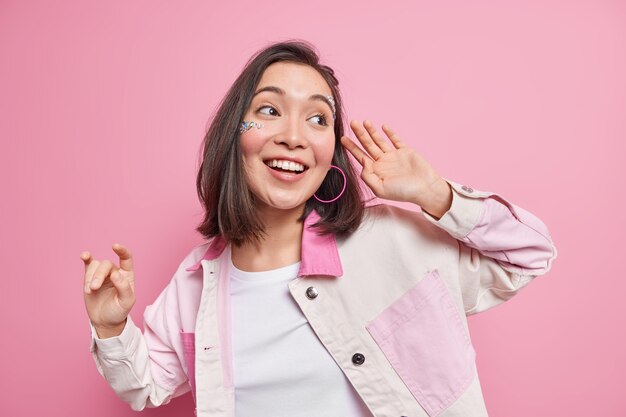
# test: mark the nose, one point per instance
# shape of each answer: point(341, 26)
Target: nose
point(292, 134)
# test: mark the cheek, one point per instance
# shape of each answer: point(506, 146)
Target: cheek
point(250, 143)
point(325, 150)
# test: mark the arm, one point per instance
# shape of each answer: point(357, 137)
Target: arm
point(502, 247)
point(144, 370)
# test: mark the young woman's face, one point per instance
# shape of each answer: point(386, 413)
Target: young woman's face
point(297, 135)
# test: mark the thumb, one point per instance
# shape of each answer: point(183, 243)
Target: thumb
point(367, 174)
point(125, 292)
point(126, 258)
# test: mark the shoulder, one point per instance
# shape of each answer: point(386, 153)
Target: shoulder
point(390, 214)
point(386, 216)
point(196, 253)
point(395, 239)
point(185, 285)
point(392, 225)
point(190, 264)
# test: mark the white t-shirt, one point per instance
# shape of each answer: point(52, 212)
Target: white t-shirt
point(280, 366)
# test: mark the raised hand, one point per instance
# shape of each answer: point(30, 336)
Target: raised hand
point(395, 171)
point(109, 291)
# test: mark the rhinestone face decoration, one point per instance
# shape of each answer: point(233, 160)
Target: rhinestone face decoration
point(245, 126)
point(332, 102)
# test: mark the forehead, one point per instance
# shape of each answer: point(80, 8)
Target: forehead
point(296, 79)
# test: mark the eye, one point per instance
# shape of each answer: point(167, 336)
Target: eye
point(322, 119)
point(270, 112)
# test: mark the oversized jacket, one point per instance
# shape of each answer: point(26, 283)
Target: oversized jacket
point(389, 303)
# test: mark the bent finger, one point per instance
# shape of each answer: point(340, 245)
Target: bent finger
point(86, 258)
point(126, 258)
point(103, 271)
point(125, 290)
point(93, 265)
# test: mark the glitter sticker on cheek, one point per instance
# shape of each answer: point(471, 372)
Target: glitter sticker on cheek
point(245, 126)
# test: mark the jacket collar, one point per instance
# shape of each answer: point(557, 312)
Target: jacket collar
point(319, 254)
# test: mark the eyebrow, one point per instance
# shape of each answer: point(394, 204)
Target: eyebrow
point(278, 90)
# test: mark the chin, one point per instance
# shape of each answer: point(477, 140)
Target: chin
point(289, 206)
point(278, 204)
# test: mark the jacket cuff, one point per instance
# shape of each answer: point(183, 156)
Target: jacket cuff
point(468, 207)
point(118, 346)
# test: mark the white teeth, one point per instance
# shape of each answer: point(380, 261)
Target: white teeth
point(286, 165)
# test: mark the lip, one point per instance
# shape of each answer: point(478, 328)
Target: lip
point(286, 175)
point(287, 158)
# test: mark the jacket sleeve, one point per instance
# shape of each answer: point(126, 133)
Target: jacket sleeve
point(144, 370)
point(502, 247)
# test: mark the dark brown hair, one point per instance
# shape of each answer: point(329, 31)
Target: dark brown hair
point(229, 205)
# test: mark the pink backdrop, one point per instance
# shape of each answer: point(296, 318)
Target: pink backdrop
point(103, 106)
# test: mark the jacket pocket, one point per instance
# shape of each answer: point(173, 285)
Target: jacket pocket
point(189, 353)
point(422, 336)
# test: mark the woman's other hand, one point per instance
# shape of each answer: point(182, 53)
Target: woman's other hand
point(395, 171)
point(109, 291)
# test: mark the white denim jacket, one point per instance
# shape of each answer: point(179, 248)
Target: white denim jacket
point(389, 303)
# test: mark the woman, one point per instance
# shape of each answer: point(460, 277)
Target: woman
point(303, 302)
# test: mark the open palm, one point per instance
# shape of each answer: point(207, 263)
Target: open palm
point(392, 169)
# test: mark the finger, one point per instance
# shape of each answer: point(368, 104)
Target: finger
point(382, 143)
point(364, 137)
point(103, 271)
point(86, 257)
point(125, 291)
point(397, 142)
point(126, 258)
point(93, 265)
point(369, 177)
point(354, 149)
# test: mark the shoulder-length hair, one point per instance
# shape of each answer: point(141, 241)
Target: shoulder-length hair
point(229, 205)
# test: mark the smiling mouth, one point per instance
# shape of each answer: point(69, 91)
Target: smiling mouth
point(286, 166)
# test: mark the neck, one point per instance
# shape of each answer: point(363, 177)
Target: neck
point(280, 246)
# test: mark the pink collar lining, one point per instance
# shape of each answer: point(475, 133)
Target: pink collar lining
point(319, 252)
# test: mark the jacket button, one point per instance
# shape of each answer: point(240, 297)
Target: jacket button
point(466, 188)
point(358, 359)
point(311, 293)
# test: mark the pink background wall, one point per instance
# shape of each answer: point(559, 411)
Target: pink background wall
point(103, 106)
